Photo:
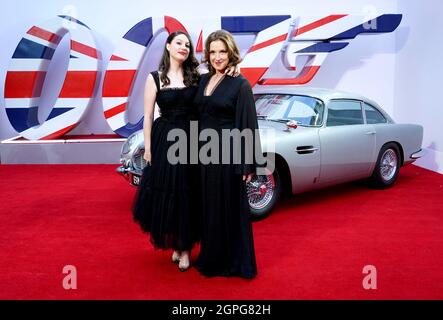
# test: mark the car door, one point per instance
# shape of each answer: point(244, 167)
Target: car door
point(347, 143)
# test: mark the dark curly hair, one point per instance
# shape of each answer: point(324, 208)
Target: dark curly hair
point(190, 72)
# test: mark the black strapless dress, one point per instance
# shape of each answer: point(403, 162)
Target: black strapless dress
point(166, 203)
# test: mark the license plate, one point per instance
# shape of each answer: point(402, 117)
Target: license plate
point(136, 180)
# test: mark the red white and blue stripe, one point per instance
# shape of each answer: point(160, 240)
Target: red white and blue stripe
point(27, 71)
point(313, 37)
point(122, 71)
point(276, 37)
point(271, 32)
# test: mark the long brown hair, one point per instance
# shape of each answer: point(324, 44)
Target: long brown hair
point(190, 72)
point(233, 51)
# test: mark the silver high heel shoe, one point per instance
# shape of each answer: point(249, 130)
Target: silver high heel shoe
point(184, 264)
point(176, 257)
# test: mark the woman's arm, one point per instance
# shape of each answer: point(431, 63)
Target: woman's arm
point(149, 102)
point(246, 118)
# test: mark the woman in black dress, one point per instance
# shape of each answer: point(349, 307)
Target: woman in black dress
point(166, 201)
point(224, 102)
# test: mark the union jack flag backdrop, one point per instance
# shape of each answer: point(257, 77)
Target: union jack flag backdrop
point(276, 37)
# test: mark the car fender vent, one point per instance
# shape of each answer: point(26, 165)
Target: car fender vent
point(305, 149)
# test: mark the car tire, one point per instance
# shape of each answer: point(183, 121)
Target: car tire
point(264, 192)
point(387, 167)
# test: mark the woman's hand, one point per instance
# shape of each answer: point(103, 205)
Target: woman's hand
point(247, 178)
point(233, 71)
point(147, 156)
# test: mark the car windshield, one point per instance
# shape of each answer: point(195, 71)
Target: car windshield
point(306, 111)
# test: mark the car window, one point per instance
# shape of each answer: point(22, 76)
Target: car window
point(344, 112)
point(307, 111)
point(373, 115)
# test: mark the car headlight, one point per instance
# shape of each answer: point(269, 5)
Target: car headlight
point(129, 143)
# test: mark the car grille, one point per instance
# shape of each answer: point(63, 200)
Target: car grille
point(139, 161)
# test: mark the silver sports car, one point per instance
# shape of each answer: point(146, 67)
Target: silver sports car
point(320, 138)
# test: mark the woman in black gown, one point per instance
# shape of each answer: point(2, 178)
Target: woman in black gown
point(166, 201)
point(227, 246)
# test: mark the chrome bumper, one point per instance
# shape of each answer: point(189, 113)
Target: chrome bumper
point(418, 154)
point(131, 175)
point(122, 170)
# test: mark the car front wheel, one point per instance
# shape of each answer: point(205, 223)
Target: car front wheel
point(263, 194)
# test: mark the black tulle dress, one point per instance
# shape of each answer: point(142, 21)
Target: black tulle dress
point(227, 246)
point(167, 200)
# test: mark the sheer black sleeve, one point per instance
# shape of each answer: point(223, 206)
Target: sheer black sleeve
point(246, 118)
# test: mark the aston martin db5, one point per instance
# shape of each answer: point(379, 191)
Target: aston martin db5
point(321, 137)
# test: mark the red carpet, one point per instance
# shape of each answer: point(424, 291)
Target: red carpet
point(314, 246)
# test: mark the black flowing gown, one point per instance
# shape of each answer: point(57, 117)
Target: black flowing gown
point(167, 200)
point(227, 245)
